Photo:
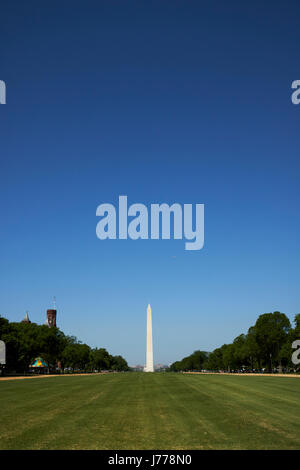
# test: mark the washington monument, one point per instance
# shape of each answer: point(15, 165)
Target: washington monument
point(149, 353)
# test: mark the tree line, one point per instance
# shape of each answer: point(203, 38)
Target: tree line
point(26, 341)
point(267, 345)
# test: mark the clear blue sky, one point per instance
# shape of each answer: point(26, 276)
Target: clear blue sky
point(164, 101)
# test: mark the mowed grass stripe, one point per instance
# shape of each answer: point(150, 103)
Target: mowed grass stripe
point(257, 407)
point(150, 411)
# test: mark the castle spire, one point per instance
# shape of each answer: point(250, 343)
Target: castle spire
point(26, 318)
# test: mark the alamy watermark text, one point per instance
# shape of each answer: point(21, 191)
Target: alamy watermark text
point(2, 92)
point(138, 226)
point(296, 94)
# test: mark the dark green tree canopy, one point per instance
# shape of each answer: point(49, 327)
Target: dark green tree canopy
point(268, 344)
point(25, 341)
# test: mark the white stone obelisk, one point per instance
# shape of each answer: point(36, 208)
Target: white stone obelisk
point(149, 354)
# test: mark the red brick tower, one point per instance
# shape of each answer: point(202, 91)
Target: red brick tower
point(51, 317)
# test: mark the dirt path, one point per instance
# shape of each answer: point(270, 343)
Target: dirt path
point(248, 374)
point(47, 375)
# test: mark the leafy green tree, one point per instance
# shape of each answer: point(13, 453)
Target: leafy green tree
point(193, 362)
point(101, 359)
point(297, 326)
point(267, 343)
point(175, 367)
point(271, 330)
point(215, 360)
point(25, 341)
point(118, 363)
point(76, 356)
point(228, 357)
point(252, 349)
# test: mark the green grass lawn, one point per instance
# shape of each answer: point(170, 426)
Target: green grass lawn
point(150, 411)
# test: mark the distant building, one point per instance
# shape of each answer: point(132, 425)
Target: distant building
point(26, 319)
point(160, 367)
point(137, 368)
point(50, 319)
